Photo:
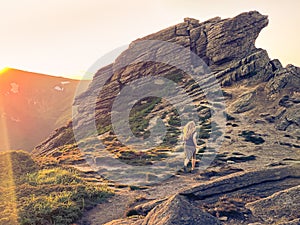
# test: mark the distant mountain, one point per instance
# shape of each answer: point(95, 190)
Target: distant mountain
point(32, 105)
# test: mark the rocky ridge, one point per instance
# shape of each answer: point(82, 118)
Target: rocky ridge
point(220, 43)
point(256, 165)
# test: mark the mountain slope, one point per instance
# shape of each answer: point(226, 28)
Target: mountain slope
point(259, 98)
point(31, 106)
point(249, 78)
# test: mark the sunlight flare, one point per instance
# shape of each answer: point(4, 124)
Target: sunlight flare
point(7, 183)
point(5, 69)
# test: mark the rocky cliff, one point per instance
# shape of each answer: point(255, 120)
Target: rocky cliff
point(227, 46)
point(259, 97)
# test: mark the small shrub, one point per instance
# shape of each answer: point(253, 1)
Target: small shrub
point(176, 77)
point(175, 121)
point(137, 117)
point(171, 137)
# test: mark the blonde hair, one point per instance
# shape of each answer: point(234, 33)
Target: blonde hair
point(188, 130)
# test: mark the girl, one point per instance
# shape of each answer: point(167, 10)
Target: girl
point(190, 144)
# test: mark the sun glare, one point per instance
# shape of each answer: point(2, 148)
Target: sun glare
point(8, 199)
point(4, 70)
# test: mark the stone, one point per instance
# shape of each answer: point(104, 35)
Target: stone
point(256, 66)
point(223, 218)
point(182, 29)
point(293, 222)
point(128, 221)
point(276, 64)
point(191, 21)
point(244, 103)
point(290, 117)
point(145, 208)
point(243, 180)
point(177, 210)
point(273, 209)
point(234, 38)
point(255, 223)
point(286, 78)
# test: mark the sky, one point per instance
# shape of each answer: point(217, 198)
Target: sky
point(66, 37)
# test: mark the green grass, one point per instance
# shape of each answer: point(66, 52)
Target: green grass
point(103, 129)
point(176, 77)
point(171, 137)
point(175, 121)
point(137, 117)
point(32, 195)
point(53, 176)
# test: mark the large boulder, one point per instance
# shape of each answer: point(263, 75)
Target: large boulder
point(178, 211)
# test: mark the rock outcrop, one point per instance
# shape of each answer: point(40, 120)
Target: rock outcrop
point(227, 46)
point(255, 182)
point(266, 196)
point(283, 205)
point(261, 136)
point(178, 211)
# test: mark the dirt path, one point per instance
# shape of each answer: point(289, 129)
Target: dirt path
point(116, 206)
point(266, 154)
point(112, 209)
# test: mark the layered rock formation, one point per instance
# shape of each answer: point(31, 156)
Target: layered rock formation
point(262, 197)
point(261, 132)
point(227, 47)
point(288, 206)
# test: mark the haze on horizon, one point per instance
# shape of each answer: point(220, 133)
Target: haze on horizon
point(65, 37)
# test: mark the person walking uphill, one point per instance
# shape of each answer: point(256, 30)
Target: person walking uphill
point(190, 144)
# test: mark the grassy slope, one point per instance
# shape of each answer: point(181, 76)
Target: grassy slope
point(32, 195)
point(139, 120)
